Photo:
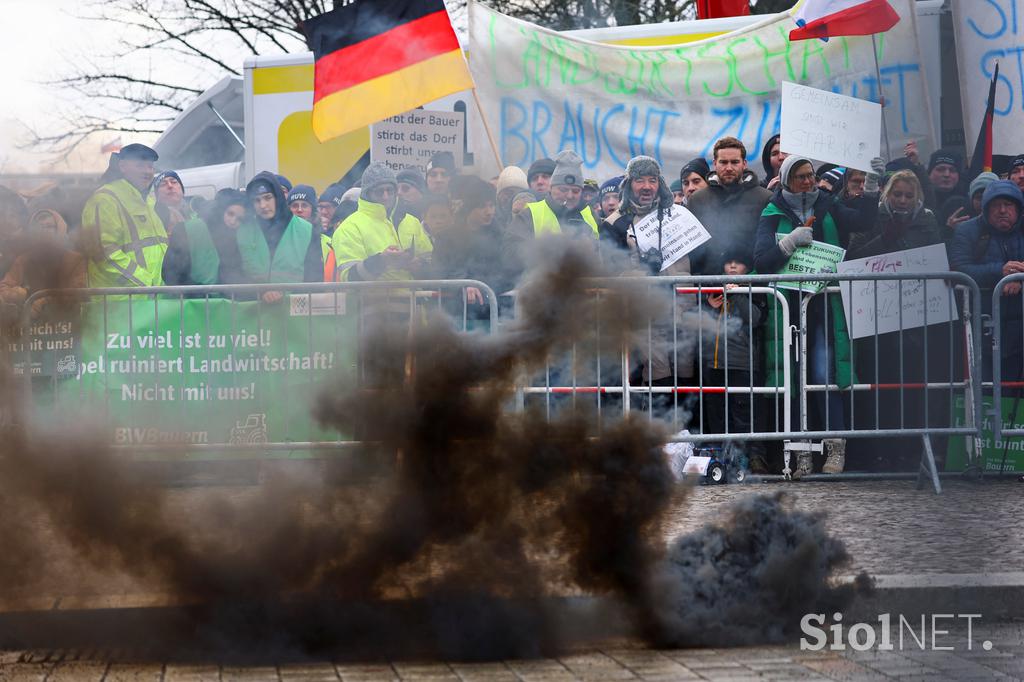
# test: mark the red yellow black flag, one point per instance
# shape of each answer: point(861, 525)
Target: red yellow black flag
point(380, 58)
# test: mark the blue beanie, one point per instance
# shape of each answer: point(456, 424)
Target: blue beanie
point(611, 186)
point(302, 193)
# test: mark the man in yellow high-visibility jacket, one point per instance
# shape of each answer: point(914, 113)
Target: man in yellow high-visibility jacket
point(124, 239)
point(560, 212)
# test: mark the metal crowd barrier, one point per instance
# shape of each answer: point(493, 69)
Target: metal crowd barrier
point(1007, 330)
point(770, 409)
point(185, 346)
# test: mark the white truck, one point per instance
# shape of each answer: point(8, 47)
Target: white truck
point(261, 121)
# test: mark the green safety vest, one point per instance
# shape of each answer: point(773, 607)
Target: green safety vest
point(289, 262)
point(202, 253)
point(546, 222)
point(125, 239)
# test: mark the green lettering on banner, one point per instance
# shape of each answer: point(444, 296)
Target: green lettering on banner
point(207, 372)
point(991, 449)
point(817, 258)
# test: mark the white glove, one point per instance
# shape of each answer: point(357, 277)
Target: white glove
point(801, 236)
point(877, 171)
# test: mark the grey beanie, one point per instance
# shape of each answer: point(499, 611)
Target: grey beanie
point(640, 166)
point(980, 183)
point(568, 169)
point(377, 174)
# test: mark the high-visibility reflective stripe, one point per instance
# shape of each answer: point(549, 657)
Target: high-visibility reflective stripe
point(129, 275)
point(136, 245)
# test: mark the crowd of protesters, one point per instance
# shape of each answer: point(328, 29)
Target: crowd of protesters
point(141, 228)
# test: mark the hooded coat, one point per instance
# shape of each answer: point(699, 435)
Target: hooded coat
point(273, 232)
point(731, 214)
point(209, 240)
point(766, 159)
point(833, 223)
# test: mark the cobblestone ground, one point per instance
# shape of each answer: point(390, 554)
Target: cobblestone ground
point(1003, 659)
point(889, 527)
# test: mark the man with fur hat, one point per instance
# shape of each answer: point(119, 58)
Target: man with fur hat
point(729, 207)
point(123, 237)
point(645, 192)
point(380, 240)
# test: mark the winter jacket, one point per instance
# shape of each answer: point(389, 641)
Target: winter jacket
point(766, 159)
point(43, 261)
point(365, 234)
point(980, 251)
point(523, 229)
point(731, 214)
point(733, 333)
point(123, 238)
point(832, 221)
point(889, 236)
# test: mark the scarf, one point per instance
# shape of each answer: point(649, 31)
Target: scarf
point(802, 203)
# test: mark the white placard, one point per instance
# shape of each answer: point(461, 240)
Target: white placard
point(826, 126)
point(681, 233)
point(864, 316)
point(410, 139)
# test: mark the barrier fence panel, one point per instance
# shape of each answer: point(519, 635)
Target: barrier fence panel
point(218, 371)
point(878, 355)
point(1002, 444)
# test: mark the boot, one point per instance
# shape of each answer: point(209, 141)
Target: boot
point(804, 465)
point(835, 455)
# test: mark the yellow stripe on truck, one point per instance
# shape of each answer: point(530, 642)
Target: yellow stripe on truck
point(274, 80)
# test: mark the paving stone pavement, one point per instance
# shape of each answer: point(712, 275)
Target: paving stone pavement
point(1003, 660)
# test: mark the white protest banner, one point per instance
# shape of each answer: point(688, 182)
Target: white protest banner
point(990, 31)
point(681, 233)
point(543, 92)
point(883, 306)
point(817, 257)
point(826, 126)
point(410, 139)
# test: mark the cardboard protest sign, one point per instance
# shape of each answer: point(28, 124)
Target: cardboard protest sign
point(410, 139)
point(826, 126)
point(544, 92)
point(681, 233)
point(884, 306)
point(818, 257)
point(986, 33)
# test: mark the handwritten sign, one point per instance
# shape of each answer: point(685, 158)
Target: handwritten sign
point(986, 33)
point(681, 233)
point(410, 139)
point(544, 91)
point(827, 126)
point(880, 307)
point(818, 257)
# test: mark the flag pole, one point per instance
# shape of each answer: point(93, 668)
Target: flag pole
point(487, 129)
point(881, 96)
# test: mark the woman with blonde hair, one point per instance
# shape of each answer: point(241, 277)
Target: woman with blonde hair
point(903, 221)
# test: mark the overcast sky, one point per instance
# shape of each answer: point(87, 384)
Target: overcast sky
point(38, 38)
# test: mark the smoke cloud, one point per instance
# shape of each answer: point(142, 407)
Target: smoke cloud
point(478, 522)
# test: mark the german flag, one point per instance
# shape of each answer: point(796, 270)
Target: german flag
point(380, 58)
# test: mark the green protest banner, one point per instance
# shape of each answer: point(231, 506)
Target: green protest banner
point(992, 450)
point(816, 258)
point(205, 372)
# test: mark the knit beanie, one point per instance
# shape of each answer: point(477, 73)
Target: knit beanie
point(980, 183)
point(302, 193)
point(613, 186)
point(676, 186)
point(741, 253)
point(512, 177)
point(377, 174)
point(161, 176)
point(441, 160)
point(285, 182)
point(945, 156)
point(568, 169)
point(333, 194)
point(699, 166)
point(546, 166)
point(1017, 162)
point(411, 176)
point(351, 194)
point(640, 166)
